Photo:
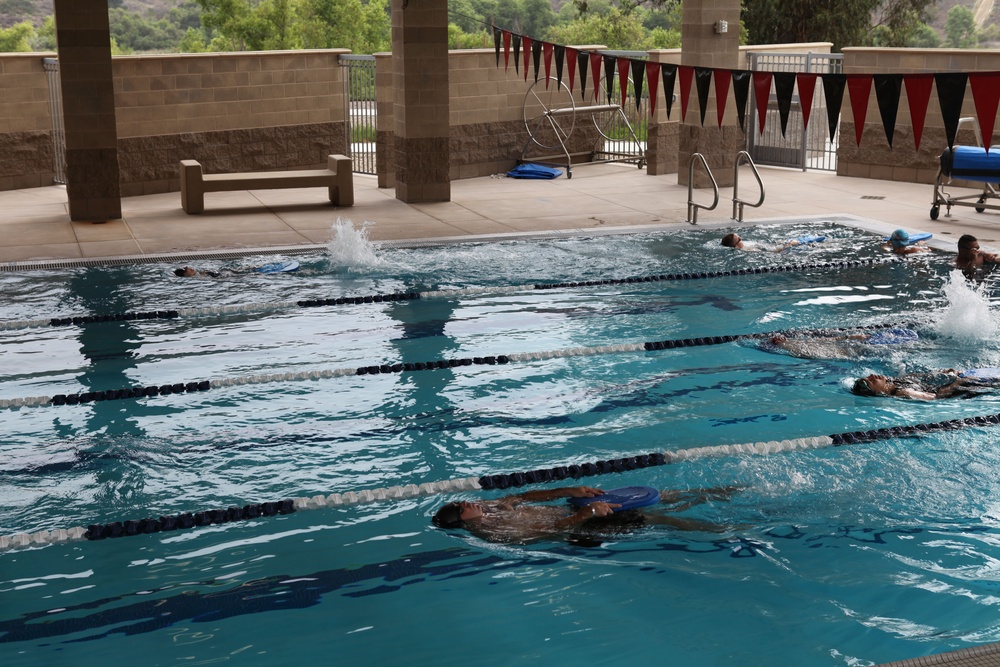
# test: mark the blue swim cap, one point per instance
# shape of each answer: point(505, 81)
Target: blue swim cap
point(900, 238)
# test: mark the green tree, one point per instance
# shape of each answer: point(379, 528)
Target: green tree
point(331, 24)
point(960, 28)
point(925, 37)
point(45, 36)
point(615, 30)
point(538, 16)
point(377, 31)
point(843, 22)
point(17, 37)
point(463, 14)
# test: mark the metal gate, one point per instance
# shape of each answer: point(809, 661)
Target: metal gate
point(51, 66)
point(359, 96)
point(805, 148)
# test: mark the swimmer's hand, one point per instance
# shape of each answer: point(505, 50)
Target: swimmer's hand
point(591, 511)
point(583, 492)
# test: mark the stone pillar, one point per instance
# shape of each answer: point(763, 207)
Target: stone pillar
point(88, 102)
point(705, 45)
point(421, 110)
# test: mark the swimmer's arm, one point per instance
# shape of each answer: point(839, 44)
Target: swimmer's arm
point(552, 494)
point(949, 389)
point(916, 395)
point(590, 511)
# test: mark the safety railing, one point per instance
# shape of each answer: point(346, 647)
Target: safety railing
point(692, 211)
point(738, 203)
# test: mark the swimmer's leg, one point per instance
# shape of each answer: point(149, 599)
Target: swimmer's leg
point(681, 523)
point(692, 497)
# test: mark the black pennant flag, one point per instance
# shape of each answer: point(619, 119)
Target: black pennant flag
point(638, 70)
point(497, 33)
point(951, 93)
point(536, 56)
point(582, 60)
point(703, 82)
point(833, 90)
point(516, 42)
point(887, 90)
point(560, 54)
point(669, 74)
point(741, 93)
point(610, 62)
point(784, 87)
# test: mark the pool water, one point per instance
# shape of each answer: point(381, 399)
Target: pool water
point(852, 555)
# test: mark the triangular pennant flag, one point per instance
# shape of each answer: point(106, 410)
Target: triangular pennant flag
point(560, 53)
point(986, 93)
point(547, 51)
point(595, 71)
point(497, 34)
point(582, 59)
point(722, 78)
point(887, 90)
point(572, 55)
point(951, 93)
point(761, 95)
point(526, 42)
point(516, 48)
point(860, 86)
point(506, 50)
point(741, 93)
point(784, 88)
point(703, 82)
point(536, 57)
point(609, 76)
point(918, 95)
point(833, 91)
point(653, 76)
point(623, 68)
point(638, 69)
point(807, 86)
point(669, 74)
point(687, 74)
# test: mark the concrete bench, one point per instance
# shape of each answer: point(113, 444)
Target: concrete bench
point(338, 177)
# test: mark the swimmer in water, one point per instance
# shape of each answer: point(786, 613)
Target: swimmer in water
point(518, 520)
point(899, 244)
point(920, 386)
point(971, 261)
point(734, 241)
point(837, 346)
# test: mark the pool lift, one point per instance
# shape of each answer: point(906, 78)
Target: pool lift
point(738, 203)
point(989, 191)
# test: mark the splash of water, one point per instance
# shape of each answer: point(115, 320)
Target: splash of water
point(349, 247)
point(967, 315)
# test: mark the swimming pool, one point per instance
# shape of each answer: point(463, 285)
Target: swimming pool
point(848, 555)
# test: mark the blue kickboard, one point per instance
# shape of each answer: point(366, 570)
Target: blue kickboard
point(629, 497)
point(534, 171)
point(984, 374)
point(810, 239)
point(894, 336)
point(916, 237)
point(286, 266)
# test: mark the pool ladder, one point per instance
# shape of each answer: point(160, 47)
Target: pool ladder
point(738, 204)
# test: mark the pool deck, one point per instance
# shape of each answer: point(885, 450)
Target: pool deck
point(35, 225)
point(35, 229)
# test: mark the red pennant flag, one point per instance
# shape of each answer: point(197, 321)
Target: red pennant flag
point(596, 62)
point(653, 78)
point(761, 94)
point(623, 68)
point(571, 56)
point(506, 50)
point(918, 95)
point(722, 79)
point(687, 74)
point(986, 93)
point(547, 50)
point(526, 41)
point(860, 87)
point(807, 86)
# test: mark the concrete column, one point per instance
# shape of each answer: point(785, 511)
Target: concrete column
point(84, 47)
point(421, 109)
point(704, 45)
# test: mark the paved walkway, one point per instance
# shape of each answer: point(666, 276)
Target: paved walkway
point(34, 224)
point(35, 227)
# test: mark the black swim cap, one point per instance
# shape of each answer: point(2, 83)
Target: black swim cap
point(449, 516)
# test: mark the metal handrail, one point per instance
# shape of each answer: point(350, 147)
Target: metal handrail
point(692, 206)
point(737, 202)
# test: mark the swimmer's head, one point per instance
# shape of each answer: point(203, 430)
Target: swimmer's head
point(872, 385)
point(899, 238)
point(731, 240)
point(455, 514)
point(778, 339)
point(185, 272)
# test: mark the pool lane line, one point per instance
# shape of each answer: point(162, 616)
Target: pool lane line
point(196, 386)
point(236, 309)
point(187, 520)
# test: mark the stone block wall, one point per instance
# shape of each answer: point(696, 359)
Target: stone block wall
point(874, 158)
point(26, 144)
